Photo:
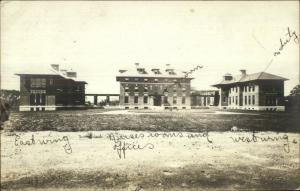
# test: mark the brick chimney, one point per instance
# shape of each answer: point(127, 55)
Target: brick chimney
point(243, 72)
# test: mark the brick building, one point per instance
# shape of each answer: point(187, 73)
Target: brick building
point(142, 88)
point(50, 89)
point(259, 91)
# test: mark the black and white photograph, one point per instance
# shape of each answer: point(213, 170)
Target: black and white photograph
point(150, 95)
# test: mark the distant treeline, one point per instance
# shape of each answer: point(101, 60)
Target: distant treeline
point(11, 97)
point(293, 100)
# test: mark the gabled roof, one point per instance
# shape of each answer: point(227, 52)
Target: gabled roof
point(251, 77)
point(47, 71)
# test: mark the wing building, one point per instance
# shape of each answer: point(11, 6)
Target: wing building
point(50, 89)
point(259, 91)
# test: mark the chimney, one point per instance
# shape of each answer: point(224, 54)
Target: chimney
point(72, 74)
point(243, 72)
point(55, 67)
point(227, 77)
point(122, 71)
point(137, 64)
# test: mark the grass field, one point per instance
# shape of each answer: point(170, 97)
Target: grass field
point(193, 120)
point(174, 163)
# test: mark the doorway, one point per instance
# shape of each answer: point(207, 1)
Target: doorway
point(157, 100)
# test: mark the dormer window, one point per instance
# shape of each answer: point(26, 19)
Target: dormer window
point(155, 80)
point(136, 79)
point(126, 79)
point(146, 80)
point(156, 71)
point(170, 71)
point(141, 71)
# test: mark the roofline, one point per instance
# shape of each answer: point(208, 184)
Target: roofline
point(157, 77)
point(283, 79)
point(51, 75)
point(17, 74)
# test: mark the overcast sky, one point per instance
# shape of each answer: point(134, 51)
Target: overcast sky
point(96, 39)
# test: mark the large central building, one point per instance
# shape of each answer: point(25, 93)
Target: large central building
point(142, 88)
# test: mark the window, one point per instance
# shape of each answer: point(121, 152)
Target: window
point(229, 100)
point(166, 99)
point(236, 100)
point(136, 88)
point(146, 80)
point(174, 100)
point(245, 88)
point(126, 88)
point(145, 89)
point(136, 99)
point(183, 100)
point(126, 79)
point(38, 82)
point(145, 99)
point(136, 79)
point(236, 89)
point(249, 100)
point(232, 99)
point(51, 82)
point(253, 87)
point(245, 100)
point(126, 99)
point(155, 80)
point(253, 99)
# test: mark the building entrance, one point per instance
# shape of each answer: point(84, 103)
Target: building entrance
point(157, 100)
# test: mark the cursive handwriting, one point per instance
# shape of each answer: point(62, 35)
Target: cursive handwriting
point(121, 147)
point(286, 40)
point(254, 138)
point(200, 135)
point(192, 71)
point(185, 76)
point(118, 137)
point(33, 141)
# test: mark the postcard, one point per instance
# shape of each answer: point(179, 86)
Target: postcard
point(150, 95)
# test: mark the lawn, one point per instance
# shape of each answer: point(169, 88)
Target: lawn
point(193, 120)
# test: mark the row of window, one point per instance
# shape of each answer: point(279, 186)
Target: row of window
point(39, 82)
point(271, 100)
point(248, 88)
point(248, 100)
point(156, 80)
point(145, 100)
point(145, 88)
